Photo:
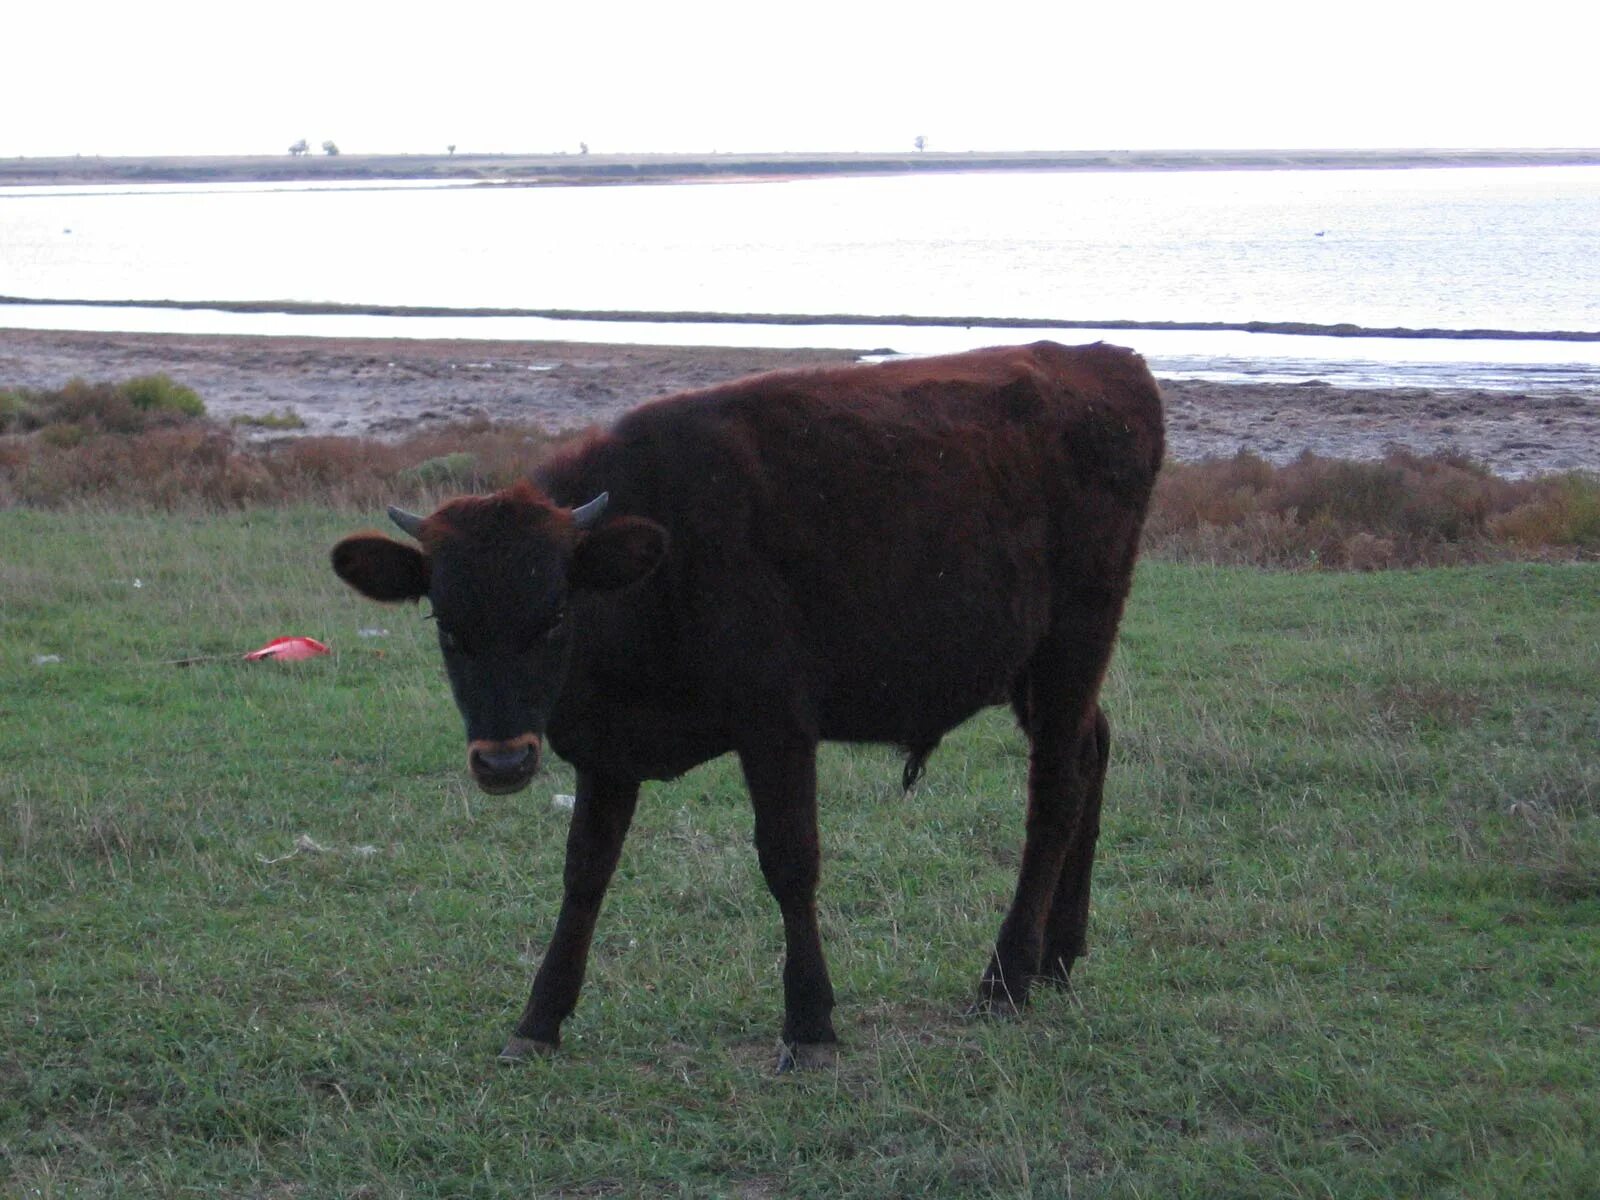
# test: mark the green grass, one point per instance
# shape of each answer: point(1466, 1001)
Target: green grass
point(1346, 939)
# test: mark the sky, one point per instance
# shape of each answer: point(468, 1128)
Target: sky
point(178, 77)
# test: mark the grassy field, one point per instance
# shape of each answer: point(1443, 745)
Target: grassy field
point(262, 939)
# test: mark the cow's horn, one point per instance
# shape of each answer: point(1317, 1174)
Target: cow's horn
point(410, 522)
point(586, 515)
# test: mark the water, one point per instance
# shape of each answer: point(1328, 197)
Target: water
point(1478, 248)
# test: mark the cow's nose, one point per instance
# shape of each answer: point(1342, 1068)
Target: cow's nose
point(501, 767)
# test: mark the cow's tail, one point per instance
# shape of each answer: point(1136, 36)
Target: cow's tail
point(916, 760)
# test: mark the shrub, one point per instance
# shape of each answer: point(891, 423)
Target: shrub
point(179, 462)
point(1223, 491)
point(1337, 492)
point(16, 412)
point(131, 407)
point(1561, 510)
point(159, 394)
point(458, 470)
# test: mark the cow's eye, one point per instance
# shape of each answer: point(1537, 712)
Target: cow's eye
point(557, 622)
point(448, 642)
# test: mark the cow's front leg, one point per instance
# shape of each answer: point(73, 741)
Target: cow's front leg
point(600, 820)
point(782, 777)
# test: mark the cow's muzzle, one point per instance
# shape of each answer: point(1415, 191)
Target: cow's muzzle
point(503, 767)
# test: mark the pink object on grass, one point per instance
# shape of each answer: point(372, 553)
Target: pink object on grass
point(289, 649)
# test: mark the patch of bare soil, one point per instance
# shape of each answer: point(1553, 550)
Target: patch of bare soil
point(382, 387)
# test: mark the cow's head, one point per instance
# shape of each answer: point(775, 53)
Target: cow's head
point(499, 571)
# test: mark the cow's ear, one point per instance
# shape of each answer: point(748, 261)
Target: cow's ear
point(619, 553)
point(381, 568)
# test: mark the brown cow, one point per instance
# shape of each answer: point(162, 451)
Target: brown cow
point(866, 554)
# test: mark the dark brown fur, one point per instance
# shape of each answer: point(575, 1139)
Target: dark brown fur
point(857, 554)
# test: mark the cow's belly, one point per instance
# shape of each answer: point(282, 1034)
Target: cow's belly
point(637, 741)
point(914, 703)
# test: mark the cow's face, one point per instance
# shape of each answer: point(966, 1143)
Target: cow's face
point(500, 572)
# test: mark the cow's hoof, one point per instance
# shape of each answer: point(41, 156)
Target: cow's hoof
point(999, 1007)
point(520, 1049)
point(807, 1056)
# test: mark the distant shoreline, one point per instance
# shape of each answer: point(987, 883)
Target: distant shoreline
point(623, 316)
point(532, 170)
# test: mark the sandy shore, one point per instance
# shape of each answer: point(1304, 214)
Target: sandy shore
point(386, 387)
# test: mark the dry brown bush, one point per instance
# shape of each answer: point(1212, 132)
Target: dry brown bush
point(1555, 510)
point(1402, 510)
point(200, 464)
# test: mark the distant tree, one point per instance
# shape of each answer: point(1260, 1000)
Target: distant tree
point(299, 148)
point(451, 147)
point(329, 147)
point(921, 143)
point(583, 147)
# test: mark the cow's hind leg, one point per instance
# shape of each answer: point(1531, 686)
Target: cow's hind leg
point(782, 777)
point(1055, 702)
point(600, 820)
point(1066, 928)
